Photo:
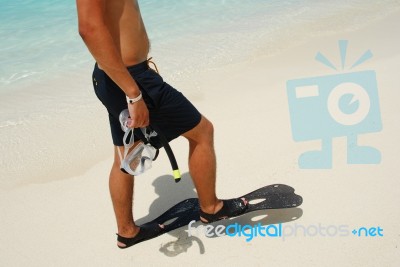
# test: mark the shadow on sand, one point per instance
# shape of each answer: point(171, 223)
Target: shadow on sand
point(170, 193)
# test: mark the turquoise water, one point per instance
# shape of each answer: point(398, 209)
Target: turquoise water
point(39, 38)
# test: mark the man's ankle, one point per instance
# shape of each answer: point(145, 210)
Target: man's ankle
point(128, 230)
point(213, 208)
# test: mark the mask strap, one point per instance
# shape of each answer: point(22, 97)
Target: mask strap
point(120, 157)
point(128, 145)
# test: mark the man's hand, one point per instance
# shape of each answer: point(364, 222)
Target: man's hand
point(139, 114)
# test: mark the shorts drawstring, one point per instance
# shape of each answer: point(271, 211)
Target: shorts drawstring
point(154, 64)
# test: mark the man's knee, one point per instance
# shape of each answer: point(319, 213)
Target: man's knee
point(205, 127)
point(203, 132)
point(116, 170)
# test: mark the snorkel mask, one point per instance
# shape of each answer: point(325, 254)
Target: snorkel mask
point(140, 158)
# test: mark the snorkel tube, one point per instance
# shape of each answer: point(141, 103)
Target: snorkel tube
point(175, 169)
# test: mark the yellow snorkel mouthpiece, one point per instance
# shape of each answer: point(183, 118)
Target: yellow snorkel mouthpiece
point(177, 175)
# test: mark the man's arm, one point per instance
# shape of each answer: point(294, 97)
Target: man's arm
point(95, 34)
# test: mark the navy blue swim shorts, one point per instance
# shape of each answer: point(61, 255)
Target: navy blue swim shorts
point(169, 110)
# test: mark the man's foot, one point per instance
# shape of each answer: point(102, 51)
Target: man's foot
point(145, 232)
point(231, 208)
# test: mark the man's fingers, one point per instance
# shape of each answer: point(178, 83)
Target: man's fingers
point(139, 114)
point(138, 124)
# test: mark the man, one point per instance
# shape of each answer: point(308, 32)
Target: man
point(114, 32)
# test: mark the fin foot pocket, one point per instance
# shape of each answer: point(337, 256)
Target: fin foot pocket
point(231, 208)
point(146, 232)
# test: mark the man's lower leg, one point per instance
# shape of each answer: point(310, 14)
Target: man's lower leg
point(202, 165)
point(121, 190)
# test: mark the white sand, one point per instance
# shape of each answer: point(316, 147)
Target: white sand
point(70, 222)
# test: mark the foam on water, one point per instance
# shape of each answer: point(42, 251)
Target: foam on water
point(46, 99)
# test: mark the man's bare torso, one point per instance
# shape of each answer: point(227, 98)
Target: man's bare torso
point(126, 26)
